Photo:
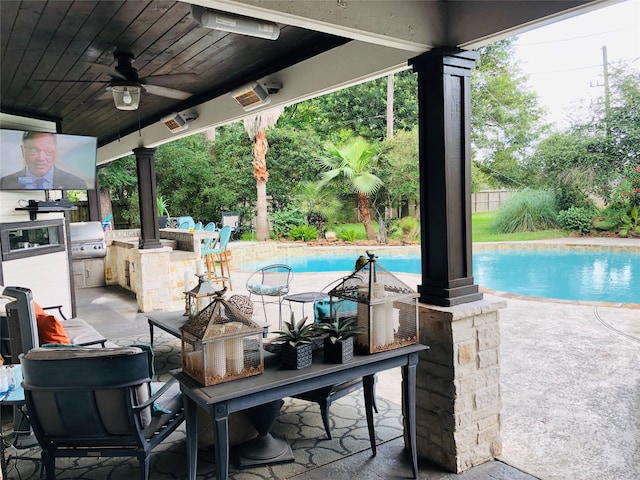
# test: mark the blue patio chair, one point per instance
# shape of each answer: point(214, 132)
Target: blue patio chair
point(220, 255)
point(106, 223)
point(208, 244)
point(188, 220)
point(198, 226)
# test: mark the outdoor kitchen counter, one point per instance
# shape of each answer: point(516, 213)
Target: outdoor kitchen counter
point(187, 240)
point(178, 239)
point(156, 275)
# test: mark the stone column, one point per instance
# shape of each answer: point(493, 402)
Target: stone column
point(154, 290)
point(458, 384)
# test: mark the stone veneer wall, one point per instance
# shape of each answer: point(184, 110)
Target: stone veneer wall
point(458, 384)
point(241, 254)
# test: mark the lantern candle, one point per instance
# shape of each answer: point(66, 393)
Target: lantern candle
point(216, 355)
point(378, 317)
point(234, 349)
point(388, 322)
point(186, 281)
point(363, 316)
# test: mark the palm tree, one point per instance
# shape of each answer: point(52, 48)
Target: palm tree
point(318, 204)
point(354, 161)
point(256, 127)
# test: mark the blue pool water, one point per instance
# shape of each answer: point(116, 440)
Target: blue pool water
point(589, 275)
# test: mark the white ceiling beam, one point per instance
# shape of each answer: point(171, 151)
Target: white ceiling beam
point(416, 26)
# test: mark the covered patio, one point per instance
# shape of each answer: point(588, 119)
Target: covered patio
point(57, 59)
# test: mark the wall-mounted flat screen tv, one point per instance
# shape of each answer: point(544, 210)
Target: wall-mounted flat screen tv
point(32, 160)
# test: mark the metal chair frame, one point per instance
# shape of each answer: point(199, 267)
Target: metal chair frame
point(267, 278)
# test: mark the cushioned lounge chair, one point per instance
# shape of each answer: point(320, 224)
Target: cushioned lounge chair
point(88, 402)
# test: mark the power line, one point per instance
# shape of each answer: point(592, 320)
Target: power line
point(590, 67)
point(553, 42)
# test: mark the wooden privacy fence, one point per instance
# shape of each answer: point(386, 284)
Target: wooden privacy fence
point(488, 200)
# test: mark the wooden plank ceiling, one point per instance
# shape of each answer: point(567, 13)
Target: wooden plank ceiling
point(56, 57)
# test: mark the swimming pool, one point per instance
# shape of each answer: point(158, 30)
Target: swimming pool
point(587, 275)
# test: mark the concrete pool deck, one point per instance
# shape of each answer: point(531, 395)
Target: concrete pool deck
point(570, 383)
point(570, 380)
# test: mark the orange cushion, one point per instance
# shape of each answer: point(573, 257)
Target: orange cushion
point(38, 309)
point(50, 330)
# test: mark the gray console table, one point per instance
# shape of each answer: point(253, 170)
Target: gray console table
point(277, 383)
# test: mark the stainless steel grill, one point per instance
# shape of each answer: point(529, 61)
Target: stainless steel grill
point(87, 240)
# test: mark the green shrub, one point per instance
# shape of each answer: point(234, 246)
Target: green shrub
point(347, 235)
point(621, 215)
point(526, 211)
point(410, 227)
point(284, 220)
point(630, 223)
point(576, 219)
point(303, 232)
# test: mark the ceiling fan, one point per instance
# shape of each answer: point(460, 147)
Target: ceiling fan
point(126, 87)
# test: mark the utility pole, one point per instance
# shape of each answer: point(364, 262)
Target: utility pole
point(607, 93)
point(390, 105)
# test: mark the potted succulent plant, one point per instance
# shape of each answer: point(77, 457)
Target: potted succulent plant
point(296, 343)
point(338, 344)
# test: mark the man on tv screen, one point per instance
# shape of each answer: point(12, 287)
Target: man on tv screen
point(39, 151)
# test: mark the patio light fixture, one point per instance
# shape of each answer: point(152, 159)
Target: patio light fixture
point(229, 22)
point(126, 97)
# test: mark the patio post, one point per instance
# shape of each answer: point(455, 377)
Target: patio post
point(458, 379)
point(146, 170)
point(444, 104)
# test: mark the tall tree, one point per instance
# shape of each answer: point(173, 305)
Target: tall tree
point(354, 162)
point(589, 156)
point(256, 127)
point(361, 110)
point(185, 177)
point(118, 183)
point(506, 117)
point(399, 167)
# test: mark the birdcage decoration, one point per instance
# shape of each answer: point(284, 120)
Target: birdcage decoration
point(386, 308)
point(220, 344)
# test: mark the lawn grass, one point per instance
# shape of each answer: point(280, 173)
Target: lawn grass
point(480, 231)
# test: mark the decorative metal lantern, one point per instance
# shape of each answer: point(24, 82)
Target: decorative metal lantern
point(220, 343)
point(386, 308)
point(199, 296)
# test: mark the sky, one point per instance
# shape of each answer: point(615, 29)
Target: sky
point(564, 60)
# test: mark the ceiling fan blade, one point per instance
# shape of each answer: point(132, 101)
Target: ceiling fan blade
point(166, 92)
point(106, 95)
point(171, 80)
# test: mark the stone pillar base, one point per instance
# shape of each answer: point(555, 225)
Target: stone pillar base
point(458, 399)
